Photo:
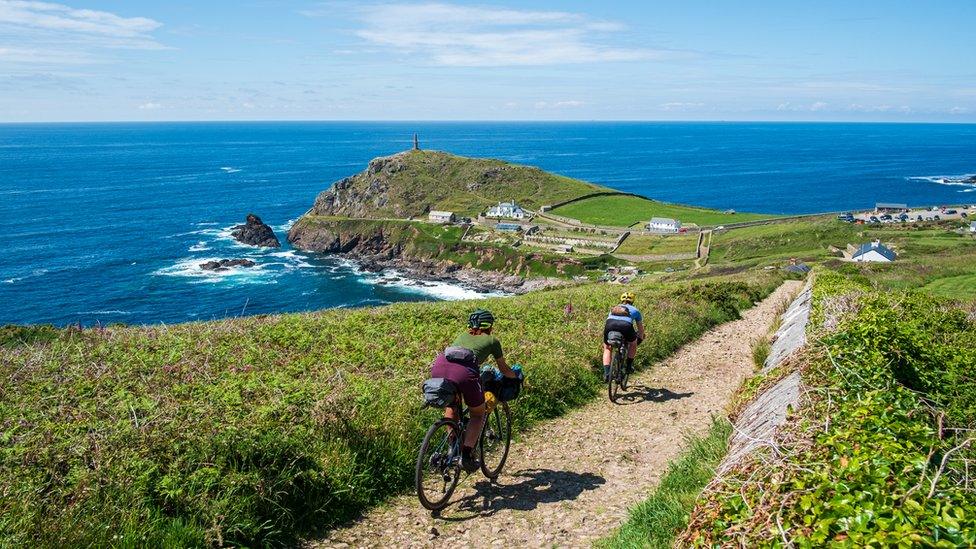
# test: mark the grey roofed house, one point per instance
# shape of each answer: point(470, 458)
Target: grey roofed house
point(890, 206)
point(800, 268)
point(879, 248)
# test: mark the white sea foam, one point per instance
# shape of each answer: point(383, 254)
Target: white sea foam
point(448, 291)
point(110, 312)
point(950, 180)
point(199, 247)
point(229, 169)
point(286, 226)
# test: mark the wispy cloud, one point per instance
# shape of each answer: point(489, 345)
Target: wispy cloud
point(44, 33)
point(484, 36)
point(572, 103)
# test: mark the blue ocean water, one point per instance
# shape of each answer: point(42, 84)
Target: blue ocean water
point(108, 222)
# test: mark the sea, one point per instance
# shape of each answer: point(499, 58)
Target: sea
point(108, 223)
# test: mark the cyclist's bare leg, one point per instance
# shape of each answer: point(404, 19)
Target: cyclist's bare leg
point(632, 349)
point(606, 354)
point(475, 424)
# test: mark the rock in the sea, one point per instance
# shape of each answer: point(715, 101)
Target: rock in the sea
point(224, 264)
point(255, 233)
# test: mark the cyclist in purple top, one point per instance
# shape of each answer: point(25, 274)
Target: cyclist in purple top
point(626, 319)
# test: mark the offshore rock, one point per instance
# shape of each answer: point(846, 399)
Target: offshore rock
point(255, 233)
point(225, 264)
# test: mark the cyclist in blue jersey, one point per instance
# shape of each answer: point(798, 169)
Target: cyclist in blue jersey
point(626, 319)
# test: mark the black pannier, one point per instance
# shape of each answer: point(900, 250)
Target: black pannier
point(439, 392)
point(504, 388)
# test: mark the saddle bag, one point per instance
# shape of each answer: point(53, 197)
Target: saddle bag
point(439, 392)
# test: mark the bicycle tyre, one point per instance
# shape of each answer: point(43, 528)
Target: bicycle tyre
point(624, 370)
point(612, 385)
point(498, 424)
point(436, 441)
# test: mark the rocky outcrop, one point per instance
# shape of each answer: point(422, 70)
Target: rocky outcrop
point(225, 264)
point(255, 233)
point(378, 248)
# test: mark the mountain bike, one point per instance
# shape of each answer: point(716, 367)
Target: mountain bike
point(438, 468)
point(618, 365)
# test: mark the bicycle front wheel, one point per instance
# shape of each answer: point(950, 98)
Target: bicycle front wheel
point(438, 465)
point(496, 438)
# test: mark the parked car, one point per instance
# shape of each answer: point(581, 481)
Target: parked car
point(886, 217)
point(964, 215)
point(951, 212)
point(873, 219)
point(937, 218)
point(919, 218)
point(903, 217)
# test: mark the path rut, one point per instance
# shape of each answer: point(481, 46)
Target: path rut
point(571, 480)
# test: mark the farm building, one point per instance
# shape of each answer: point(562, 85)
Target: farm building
point(438, 216)
point(890, 207)
point(664, 225)
point(874, 252)
point(508, 210)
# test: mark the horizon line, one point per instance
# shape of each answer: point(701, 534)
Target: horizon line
point(484, 121)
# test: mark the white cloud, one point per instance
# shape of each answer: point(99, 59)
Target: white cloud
point(150, 106)
point(454, 35)
point(558, 104)
point(680, 106)
point(44, 33)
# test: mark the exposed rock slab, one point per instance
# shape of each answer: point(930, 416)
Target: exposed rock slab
point(792, 334)
point(225, 264)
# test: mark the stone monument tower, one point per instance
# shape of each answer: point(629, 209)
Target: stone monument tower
point(416, 143)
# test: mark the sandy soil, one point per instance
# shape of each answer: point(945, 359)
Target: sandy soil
point(571, 480)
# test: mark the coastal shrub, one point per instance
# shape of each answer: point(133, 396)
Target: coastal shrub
point(262, 430)
point(879, 455)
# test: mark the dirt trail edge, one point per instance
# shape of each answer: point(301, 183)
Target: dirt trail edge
point(571, 480)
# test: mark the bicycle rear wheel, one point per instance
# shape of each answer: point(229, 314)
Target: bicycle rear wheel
point(612, 384)
point(495, 440)
point(438, 465)
point(624, 370)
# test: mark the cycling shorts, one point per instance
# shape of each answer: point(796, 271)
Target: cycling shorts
point(467, 379)
point(622, 326)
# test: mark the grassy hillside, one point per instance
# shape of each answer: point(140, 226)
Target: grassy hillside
point(412, 183)
point(258, 430)
point(879, 453)
point(625, 210)
point(438, 243)
point(657, 245)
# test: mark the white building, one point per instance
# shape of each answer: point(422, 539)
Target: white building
point(664, 225)
point(874, 251)
point(508, 210)
point(438, 216)
point(972, 227)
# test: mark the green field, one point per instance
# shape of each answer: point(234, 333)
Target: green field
point(626, 210)
point(658, 245)
point(961, 287)
point(257, 431)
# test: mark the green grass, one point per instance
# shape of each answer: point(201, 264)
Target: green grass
point(873, 458)
point(657, 520)
point(659, 245)
point(961, 287)
point(414, 182)
point(260, 430)
point(427, 241)
point(625, 210)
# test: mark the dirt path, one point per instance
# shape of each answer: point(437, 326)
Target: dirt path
point(571, 480)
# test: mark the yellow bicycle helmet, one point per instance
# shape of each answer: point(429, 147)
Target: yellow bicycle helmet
point(627, 297)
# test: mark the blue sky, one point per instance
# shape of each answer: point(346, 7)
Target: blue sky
point(690, 60)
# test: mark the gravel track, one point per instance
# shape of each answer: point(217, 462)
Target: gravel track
point(571, 480)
